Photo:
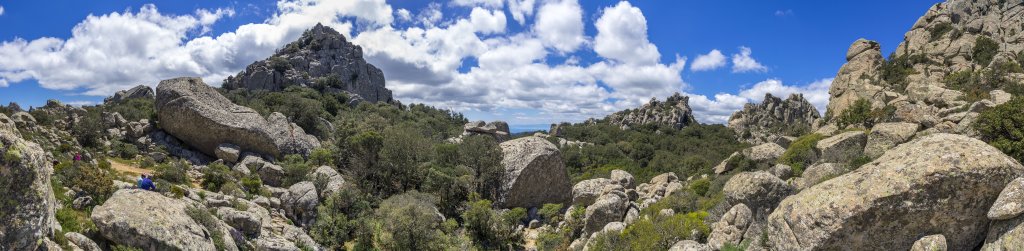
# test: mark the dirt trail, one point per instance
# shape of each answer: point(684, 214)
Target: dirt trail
point(128, 168)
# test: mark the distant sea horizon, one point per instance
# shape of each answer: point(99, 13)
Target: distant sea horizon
point(528, 128)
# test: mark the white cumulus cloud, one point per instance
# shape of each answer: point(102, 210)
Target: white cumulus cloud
point(743, 62)
point(622, 35)
point(560, 25)
point(713, 60)
point(1, 10)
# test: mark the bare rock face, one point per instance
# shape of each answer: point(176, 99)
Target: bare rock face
point(849, 85)
point(674, 112)
point(938, 184)
point(773, 118)
point(322, 58)
point(202, 118)
point(952, 37)
point(140, 91)
point(27, 204)
point(150, 221)
point(534, 174)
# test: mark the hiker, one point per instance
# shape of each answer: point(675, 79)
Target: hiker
point(78, 157)
point(146, 183)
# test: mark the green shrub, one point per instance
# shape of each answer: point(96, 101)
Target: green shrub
point(295, 169)
point(125, 150)
point(252, 183)
point(488, 229)
point(938, 30)
point(1003, 127)
point(72, 220)
point(896, 69)
point(338, 218)
point(409, 222)
point(215, 176)
point(985, 49)
point(515, 215)
point(551, 212)
point(659, 233)
point(174, 172)
point(280, 64)
point(701, 186)
point(801, 153)
point(321, 157)
point(178, 192)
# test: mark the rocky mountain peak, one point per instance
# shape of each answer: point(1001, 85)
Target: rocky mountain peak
point(773, 118)
point(674, 111)
point(956, 54)
point(321, 58)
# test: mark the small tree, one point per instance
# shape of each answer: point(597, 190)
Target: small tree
point(1003, 127)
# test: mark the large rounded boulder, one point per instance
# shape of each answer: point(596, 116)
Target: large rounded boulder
point(27, 204)
point(150, 221)
point(939, 184)
point(198, 115)
point(534, 174)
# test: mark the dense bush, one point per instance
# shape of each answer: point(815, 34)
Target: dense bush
point(134, 109)
point(976, 85)
point(337, 218)
point(488, 229)
point(409, 221)
point(483, 155)
point(93, 180)
point(896, 69)
point(646, 151)
point(655, 233)
point(175, 172)
point(801, 153)
point(1003, 127)
point(985, 49)
point(937, 31)
point(295, 169)
point(215, 176)
point(72, 220)
point(861, 113)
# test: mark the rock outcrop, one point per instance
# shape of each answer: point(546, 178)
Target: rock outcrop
point(27, 203)
point(674, 112)
point(321, 58)
point(773, 118)
point(497, 130)
point(202, 118)
point(534, 174)
point(939, 184)
point(956, 37)
point(150, 221)
point(140, 91)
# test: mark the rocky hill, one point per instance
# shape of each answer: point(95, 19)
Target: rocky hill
point(674, 112)
point(957, 54)
point(773, 118)
point(320, 58)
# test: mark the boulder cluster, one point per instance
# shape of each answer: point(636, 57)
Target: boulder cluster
point(773, 118)
point(674, 112)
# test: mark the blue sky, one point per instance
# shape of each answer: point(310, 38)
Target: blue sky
point(529, 62)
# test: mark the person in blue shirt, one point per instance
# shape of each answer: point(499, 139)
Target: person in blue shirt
point(146, 183)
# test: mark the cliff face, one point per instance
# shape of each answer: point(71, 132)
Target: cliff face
point(773, 118)
point(322, 59)
point(954, 55)
point(674, 111)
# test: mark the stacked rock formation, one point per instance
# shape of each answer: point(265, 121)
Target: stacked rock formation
point(773, 118)
point(322, 58)
point(674, 112)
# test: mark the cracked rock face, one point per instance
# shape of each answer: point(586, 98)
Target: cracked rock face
point(674, 111)
point(942, 42)
point(200, 117)
point(773, 118)
point(941, 184)
point(322, 58)
point(27, 203)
